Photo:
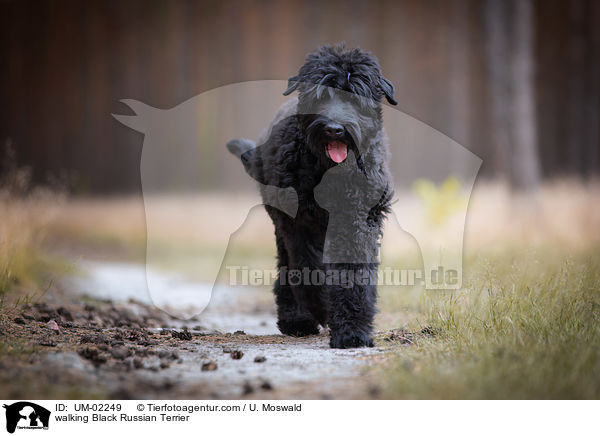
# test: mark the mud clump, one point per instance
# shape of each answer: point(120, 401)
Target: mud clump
point(98, 338)
point(138, 363)
point(406, 337)
point(93, 355)
point(266, 385)
point(401, 336)
point(168, 355)
point(429, 331)
point(47, 343)
point(65, 314)
point(247, 389)
point(183, 335)
point(374, 391)
point(120, 352)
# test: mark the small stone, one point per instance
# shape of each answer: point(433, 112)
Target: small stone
point(48, 343)
point(236, 354)
point(209, 366)
point(260, 359)
point(52, 325)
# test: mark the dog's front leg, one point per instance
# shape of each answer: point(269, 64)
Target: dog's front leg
point(293, 316)
point(351, 291)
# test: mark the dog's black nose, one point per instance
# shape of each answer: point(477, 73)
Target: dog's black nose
point(334, 130)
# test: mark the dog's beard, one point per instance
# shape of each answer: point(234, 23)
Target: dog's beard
point(329, 150)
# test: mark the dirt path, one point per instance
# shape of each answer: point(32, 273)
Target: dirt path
point(122, 347)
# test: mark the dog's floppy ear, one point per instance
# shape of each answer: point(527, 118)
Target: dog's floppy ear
point(388, 90)
point(293, 84)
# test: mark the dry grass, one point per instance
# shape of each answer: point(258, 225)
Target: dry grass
point(564, 213)
point(24, 218)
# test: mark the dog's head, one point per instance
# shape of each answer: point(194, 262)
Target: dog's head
point(339, 103)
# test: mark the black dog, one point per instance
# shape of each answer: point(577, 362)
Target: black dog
point(329, 146)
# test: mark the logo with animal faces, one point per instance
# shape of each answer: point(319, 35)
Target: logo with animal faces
point(25, 415)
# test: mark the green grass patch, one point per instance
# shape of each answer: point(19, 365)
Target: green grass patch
point(525, 325)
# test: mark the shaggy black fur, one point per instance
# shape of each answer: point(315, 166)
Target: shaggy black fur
point(340, 94)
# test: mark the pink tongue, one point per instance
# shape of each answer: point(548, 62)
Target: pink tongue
point(337, 151)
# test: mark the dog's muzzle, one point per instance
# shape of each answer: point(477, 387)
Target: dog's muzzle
point(335, 149)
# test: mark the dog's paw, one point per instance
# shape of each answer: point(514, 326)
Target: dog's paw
point(350, 340)
point(298, 327)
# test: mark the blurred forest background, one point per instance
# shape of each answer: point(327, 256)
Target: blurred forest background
point(516, 82)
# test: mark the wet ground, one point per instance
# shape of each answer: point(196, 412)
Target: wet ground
point(101, 338)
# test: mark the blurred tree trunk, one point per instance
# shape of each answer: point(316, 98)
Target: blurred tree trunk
point(525, 168)
point(460, 72)
point(582, 88)
point(496, 17)
point(510, 28)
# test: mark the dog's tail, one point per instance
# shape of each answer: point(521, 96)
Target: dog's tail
point(240, 146)
point(245, 150)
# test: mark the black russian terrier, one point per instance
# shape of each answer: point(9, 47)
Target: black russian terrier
point(329, 146)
